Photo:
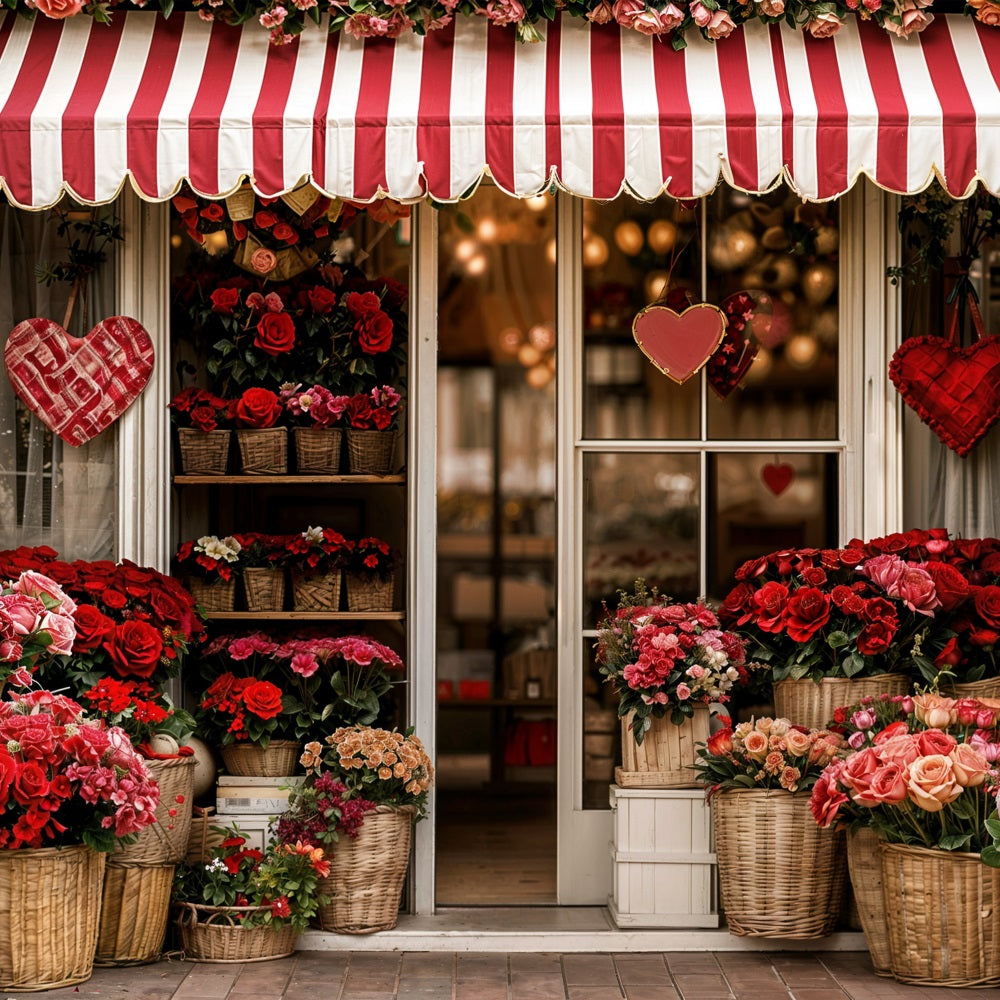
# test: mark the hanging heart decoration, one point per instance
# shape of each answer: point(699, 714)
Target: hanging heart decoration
point(679, 343)
point(728, 366)
point(777, 477)
point(954, 390)
point(77, 386)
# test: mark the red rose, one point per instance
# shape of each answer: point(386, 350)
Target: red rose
point(113, 599)
point(815, 576)
point(284, 232)
point(322, 300)
point(951, 585)
point(987, 601)
point(950, 656)
point(135, 649)
point(8, 768)
point(876, 638)
point(752, 567)
point(239, 232)
point(808, 611)
point(984, 637)
point(771, 601)
point(263, 699)
point(203, 419)
point(265, 220)
point(878, 609)
point(932, 741)
point(361, 305)
point(827, 797)
point(899, 728)
point(738, 604)
point(275, 333)
point(852, 556)
point(30, 783)
point(720, 742)
point(258, 408)
point(358, 412)
point(374, 333)
point(225, 300)
point(213, 211)
point(92, 628)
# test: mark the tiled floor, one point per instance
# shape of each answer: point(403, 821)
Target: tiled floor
point(497, 976)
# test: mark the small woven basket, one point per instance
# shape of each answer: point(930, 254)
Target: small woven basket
point(370, 452)
point(134, 911)
point(369, 593)
point(811, 704)
point(941, 911)
point(264, 588)
point(50, 906)
point(217, 934)
point(367, 874)
point(667, 753)
point(263, 452)
point(317, 449)
point(204, 454)
point(165, 841)
point(316, 593)
point(780, 875)
point(865, 867)
point(276, 760)
point(218, 596)
point(988, 687)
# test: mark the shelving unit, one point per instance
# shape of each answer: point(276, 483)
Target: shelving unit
point(290, 480)
point(316, 616)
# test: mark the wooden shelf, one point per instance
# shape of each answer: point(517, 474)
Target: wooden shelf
point(496, 703)
point(307, 480)
point(314, 616)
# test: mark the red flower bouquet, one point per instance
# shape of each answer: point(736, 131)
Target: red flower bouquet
point(138, 709)
point(210, 558)
point(242, 709)
point(377, 410)
point(315, 551)
point(313, 407)
point(372, 557)
point(201, 410)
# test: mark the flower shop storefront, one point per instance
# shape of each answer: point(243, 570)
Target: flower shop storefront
point(548, 445)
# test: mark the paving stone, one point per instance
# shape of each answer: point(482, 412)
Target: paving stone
point(651, 992)
point(589, 970)
point(479, 989)
point(642, 970)
point(427, 963)
point(595, 993)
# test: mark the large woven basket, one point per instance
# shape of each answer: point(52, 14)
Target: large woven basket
point(865, 867)
point(50, 905)
point(165, 841)
point(812, 704)
point(667, 753)
point(263, 452)
point(369, 593)
point(134, 911)
point(276, 760)
point(216, 934)
point(203, 454)
point(367, 874)
point(943, 916)
point(780, 875)
point(218, 596)
point(264, 588)
point(316, 593)
point(370, 452)
point(988, 687)
point(317, 449)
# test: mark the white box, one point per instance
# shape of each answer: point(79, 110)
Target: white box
point(663, 858)
point(261, 796)
point(253, 826)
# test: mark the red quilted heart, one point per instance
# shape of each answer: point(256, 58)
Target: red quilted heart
point(777, 477)
point(78, 387)
point(955, 390)
point(679, 344)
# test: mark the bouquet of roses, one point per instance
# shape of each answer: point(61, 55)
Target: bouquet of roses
point(37, 621)
point(209, 558)
point(315, 551)
point(138, 709)
point(377, 410)
point(666, 658)
point(243, 709)
point(313, 407)
point(202, 410)
point(319, 813)
point(372, 557)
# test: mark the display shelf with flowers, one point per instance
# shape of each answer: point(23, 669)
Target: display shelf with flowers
point(667, 663)
point(315, 558)
point(371, 575)
point(375, 782)
point(314, 413)
point(204, 423)
point(211, 564)
point(243, 904)
point(263, 579)
point(371, 421)
point(780, 875)
point(263, 445)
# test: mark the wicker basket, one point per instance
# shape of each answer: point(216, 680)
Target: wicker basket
point(276, 760)
point(219, 596)
point(367, 874)
point(165, 841)
point(204, 454)
point(988, 687)
point(369, 593)
point(264, 588)
point(50, 904)
point(317, 449)
point(667, 753)
point(316, 593)
point(811, 704)
point(780, 875)
point(942, 915)
point(865, 867)
point(216, 934)
point(370, 452)
point(134, 911)
point(204, 835)
point(263, 452)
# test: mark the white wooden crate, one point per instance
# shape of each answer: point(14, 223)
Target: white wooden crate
point(254, 826)
point(663, 858)
point(263, 796)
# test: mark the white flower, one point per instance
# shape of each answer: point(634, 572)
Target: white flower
point(313, 535)
point(219, 548)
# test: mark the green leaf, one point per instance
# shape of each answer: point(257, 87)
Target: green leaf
point(993, 827)
point(837, 639)
point(853, 664)
point(954, 841)
point(990, 856)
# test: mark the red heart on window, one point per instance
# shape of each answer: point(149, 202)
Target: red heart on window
point(954, 390)
point(79, 386)
point(679, 344)
point(777, 477)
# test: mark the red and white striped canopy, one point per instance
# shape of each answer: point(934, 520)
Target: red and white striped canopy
point(595, 110)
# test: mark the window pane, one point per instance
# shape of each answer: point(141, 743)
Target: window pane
point(602, 744)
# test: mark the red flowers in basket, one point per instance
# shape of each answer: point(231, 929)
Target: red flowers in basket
point(200, 409)
point(241, 709)
point(373, 411)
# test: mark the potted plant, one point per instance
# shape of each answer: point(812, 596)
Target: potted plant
point(314, 412)
point(371, 575)
point(667, 663)
point(315, 558)
point(203, 421)
point(263, 578)
point(263, 445)
point(246, 905)
point(387, 774)
point(780, 875)
point(210, 565)
point(372, 419)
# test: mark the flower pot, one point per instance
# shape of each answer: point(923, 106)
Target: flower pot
point(811, 704)
point(217, 596)
point(134, 911)
point(203, 454)
point(865, 867)
point(50, 904)
point(316, 593)
point(369, 593)
point(263, 452)
point(370, 452)
point(941, 912)
point(217, 934)
point(276, 760)
point(165, 841)
point(264, 588)
point(317, 449)
point(780, 875)
point(667, 753)
point(367, 874)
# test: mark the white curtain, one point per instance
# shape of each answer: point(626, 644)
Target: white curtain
point(50, 492)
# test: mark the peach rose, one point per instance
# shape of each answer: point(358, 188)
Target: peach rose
point(771, 8)
point(626, 11)
point(988, 13)
point(888, 784)
point(900, 749)
point(824, 25)
point(932, 783)
point(798, 744)
point(858, 771)
point(601, 14)
point(263, 261)
point(969, 765)
point(934, 710)
point(59, 9)
point(755, 746)
point(720, 26)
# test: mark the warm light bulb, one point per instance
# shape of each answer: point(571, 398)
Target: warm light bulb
point(465, 250)
point(656, 284)
point(537, 203)
point(487, 229)
point(542, 337)
point(476, 265)
point(539, 376)
point(528, 356)
point(176, 240)
point(216, 243)
point(629, 237)
point(510, 340)
point(661, 235)
point(595, 251)
point(802, 350)
point(550, 251)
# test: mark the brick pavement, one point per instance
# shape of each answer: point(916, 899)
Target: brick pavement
point(493, 976)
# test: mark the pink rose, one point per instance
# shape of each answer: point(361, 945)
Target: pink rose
point(970, 766)
point(304, 664)
point(934, 710)
point(720, 26)
point(59, 9)
point(932, 783)
point(859, 769)
point(827, 796)
point(46, 590)
point(263, 261)
point(600, 14)
point(771, 8)
point(915, 587)
point(900, 749)
point(933, 741)
point(888, 784)
point(700, 13)
point(913, 20)
point(648, 23)
point(683, 692)
point(824, 25)
point(883, 570)
point(23, 611)
point(626, 11)
point(62, 630)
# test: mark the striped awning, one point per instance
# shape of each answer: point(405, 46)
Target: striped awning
point(595, 110)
